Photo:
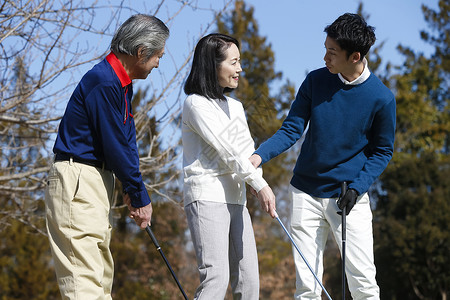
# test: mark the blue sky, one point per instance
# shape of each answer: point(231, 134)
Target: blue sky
point(294, 29)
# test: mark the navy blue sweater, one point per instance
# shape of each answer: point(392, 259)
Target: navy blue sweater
point(350, 136)
point(98, 125)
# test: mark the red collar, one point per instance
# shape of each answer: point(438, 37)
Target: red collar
point(118, 69)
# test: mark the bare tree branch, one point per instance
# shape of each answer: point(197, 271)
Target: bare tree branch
point(44, 45)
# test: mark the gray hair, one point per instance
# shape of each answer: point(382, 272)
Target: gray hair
point(138, 31)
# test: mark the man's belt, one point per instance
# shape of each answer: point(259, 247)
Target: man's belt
point(93, 163)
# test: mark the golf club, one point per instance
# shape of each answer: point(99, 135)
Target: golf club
point(344, 237)
point(155, 242)
point(301, 254)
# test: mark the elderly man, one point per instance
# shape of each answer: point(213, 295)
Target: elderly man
point(97, 140)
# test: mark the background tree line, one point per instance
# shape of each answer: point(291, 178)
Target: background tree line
point(411, 207)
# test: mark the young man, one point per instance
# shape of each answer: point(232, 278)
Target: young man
point(96, 139)
point(351, 117)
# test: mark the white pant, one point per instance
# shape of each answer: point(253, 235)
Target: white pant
point(311, 220)
point(226, 250)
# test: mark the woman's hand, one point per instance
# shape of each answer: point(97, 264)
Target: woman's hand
point(267, 200)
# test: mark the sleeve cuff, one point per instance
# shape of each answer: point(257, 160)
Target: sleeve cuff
point(263, 159)
point(357, 189)
point(257, 182)
point(139, 198)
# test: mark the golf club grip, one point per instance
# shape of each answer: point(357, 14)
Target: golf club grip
point(343, 188)
point(344, 212)
point(344, 237)
point(152, 236)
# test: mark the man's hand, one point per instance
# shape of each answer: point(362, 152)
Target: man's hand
point(267, 200)
point(348, 200)
point(256, 160)
point(142, 215)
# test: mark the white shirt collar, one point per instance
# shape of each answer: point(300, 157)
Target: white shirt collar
point(363, 77)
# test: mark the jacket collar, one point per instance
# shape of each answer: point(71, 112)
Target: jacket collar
point(118, 69)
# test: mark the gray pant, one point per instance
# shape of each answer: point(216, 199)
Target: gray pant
point(226, 250)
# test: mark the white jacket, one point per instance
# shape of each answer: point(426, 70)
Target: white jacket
point(216, 149)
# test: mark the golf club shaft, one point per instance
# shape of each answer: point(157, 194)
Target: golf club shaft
point(344, 237)
point(155, 242)
point(301, 254)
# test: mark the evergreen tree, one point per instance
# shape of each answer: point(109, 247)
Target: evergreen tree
point(413, 211)
point(139, 269)
point(26, 270)
point(265, 110)
point(38, 39)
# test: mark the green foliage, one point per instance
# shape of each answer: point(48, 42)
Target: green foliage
point(412, 234)
point(413, 212)
point(140, 272)
point(265, 111)
point(26, 270)
point(411, 219)
point(421, 125)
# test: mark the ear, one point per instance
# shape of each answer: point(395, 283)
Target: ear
point(355, 57)
point(140, 52)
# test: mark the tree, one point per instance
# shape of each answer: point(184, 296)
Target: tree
point(25, 262)
point(144, 275)
point(36, 42)
point(265, 112)
point(45, 50)
point(413, 210)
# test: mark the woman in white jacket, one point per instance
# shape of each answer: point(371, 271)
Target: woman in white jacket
point(216, 147)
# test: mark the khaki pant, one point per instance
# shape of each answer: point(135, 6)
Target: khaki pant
point(78, 200)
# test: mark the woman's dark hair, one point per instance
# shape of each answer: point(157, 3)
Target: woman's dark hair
point(352, 34)
point(209, 53)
